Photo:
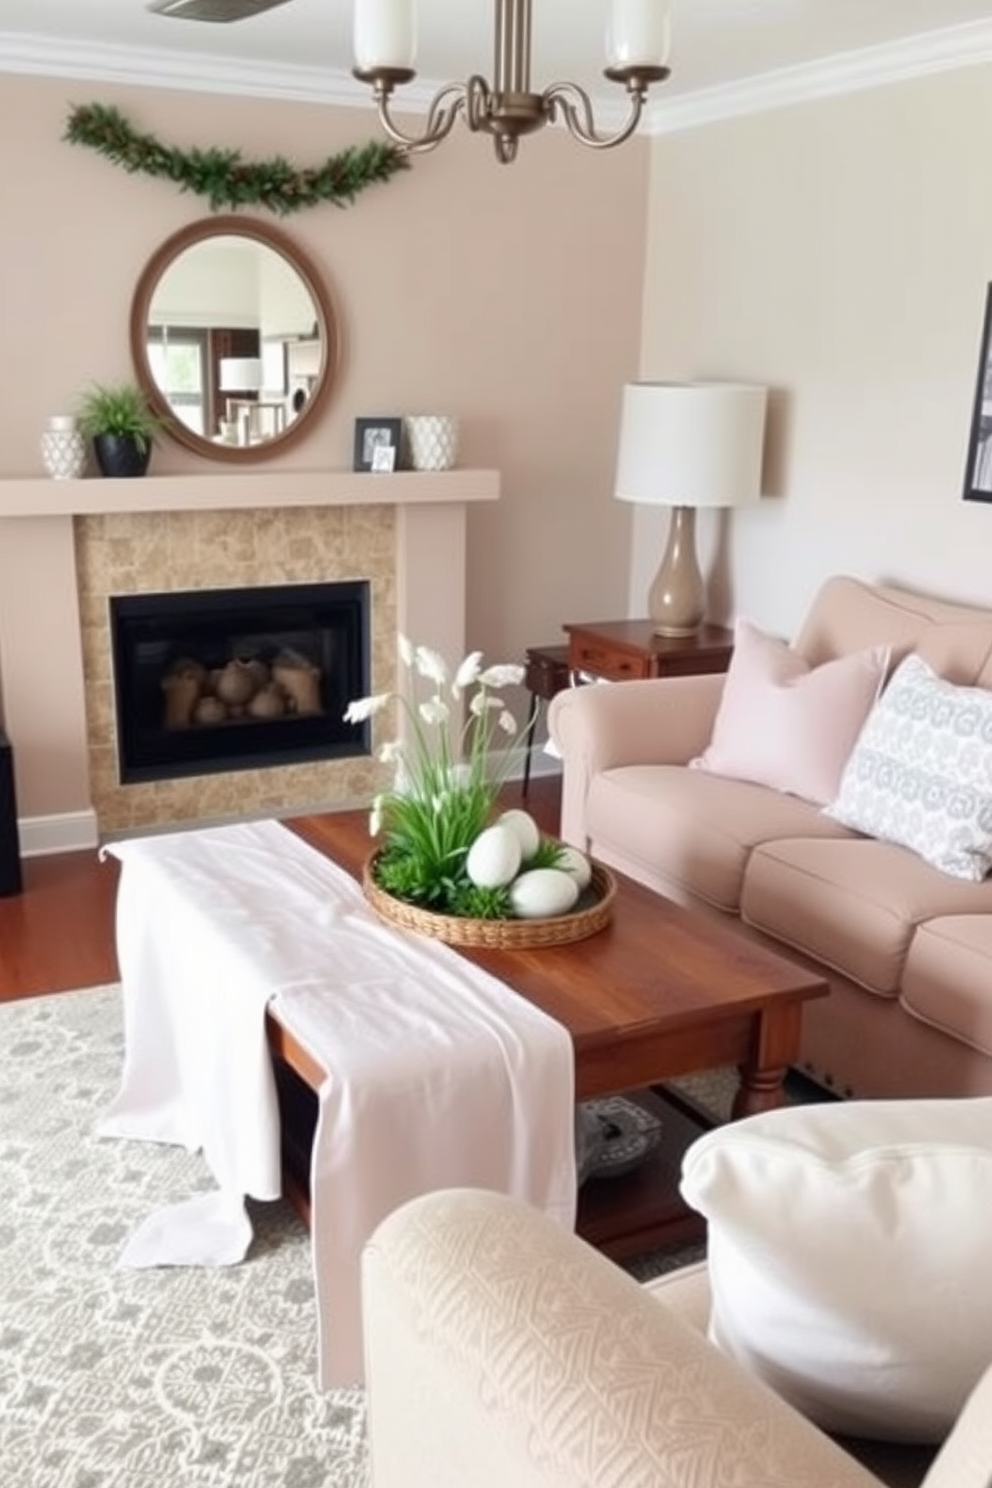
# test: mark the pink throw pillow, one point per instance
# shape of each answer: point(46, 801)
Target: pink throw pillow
point(787, 725)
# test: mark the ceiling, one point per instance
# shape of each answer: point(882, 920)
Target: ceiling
point(716, 43)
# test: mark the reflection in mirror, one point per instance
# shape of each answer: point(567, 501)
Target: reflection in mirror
point(233, 338)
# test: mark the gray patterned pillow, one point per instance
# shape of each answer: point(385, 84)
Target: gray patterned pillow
point(921, 772)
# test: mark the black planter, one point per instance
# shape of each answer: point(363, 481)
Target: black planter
point(119, 454)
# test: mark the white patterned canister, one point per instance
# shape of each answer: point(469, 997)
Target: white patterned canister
point(432, 439)
point(63, 448)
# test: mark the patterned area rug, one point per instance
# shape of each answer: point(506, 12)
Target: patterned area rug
point(136, 1379)
point(121, 1379)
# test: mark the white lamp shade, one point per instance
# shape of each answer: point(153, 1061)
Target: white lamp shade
point(385, 34)
point(638, 31)
point(240, 374)
point(691, 444)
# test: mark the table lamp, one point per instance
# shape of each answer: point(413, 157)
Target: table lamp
point(686, 445)
point(239, 375)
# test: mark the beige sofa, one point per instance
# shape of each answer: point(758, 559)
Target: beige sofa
point(907, 949)
point(502, 1352)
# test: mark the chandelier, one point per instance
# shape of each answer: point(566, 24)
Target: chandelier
point(637, 47)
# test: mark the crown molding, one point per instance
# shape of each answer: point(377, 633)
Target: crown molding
point(937, 51)
point(40, 56)
point(969, 45)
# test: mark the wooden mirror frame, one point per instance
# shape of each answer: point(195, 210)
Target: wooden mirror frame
point(325, 316)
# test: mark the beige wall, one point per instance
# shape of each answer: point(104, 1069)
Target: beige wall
point(840, 252)
point(509, 296)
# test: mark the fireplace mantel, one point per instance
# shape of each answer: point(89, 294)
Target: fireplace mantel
point(41, 660)
point(42, 497)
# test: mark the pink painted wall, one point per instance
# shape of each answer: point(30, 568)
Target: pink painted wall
point(509, 296)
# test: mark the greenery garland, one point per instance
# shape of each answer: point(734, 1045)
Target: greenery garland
point(227, 180)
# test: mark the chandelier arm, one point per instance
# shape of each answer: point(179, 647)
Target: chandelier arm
point(574, 105)
point(478, 102)
point(444, 109)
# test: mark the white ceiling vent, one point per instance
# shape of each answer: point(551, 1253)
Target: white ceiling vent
point(212, 10)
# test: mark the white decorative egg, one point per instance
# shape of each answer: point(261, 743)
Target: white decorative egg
point(577, 864)
point(494, 857)
point(526, 829)
point(541, 893)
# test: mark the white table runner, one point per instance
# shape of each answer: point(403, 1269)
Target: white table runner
point(438, 1075)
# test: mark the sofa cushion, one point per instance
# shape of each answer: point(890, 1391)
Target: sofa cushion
point(785, 724)
point(848, 1257)
point(669, 826)
point(921, 772)
point(948, 977)
point(848, 613)
point(958, 653)
point(850, 903)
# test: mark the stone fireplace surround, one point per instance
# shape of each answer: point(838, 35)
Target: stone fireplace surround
point(66, 545)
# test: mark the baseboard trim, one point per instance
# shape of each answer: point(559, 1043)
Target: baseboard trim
point(71, 831)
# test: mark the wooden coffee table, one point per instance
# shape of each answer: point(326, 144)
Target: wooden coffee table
point(662, 991)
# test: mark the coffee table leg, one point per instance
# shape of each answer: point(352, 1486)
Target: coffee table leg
point(776, 1047)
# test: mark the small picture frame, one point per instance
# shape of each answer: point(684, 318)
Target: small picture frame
point(978, 468)
point(377, 444)
point(384, 458)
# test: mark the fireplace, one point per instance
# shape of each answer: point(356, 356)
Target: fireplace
point(220, 680)
point(405, 534)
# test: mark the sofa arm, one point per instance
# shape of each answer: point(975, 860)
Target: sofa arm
point(662, 721)
point(501, 1350)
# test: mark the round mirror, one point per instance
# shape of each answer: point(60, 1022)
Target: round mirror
point(233, 338)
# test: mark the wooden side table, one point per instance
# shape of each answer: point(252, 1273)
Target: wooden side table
point(624, 650)
point(618, 650)
point(546, 673)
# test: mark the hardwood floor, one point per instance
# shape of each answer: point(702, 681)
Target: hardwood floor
point(59, 933)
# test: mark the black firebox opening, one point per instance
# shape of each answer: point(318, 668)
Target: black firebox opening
point(238, 679)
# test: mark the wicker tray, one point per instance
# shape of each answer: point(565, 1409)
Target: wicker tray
point(592, 912)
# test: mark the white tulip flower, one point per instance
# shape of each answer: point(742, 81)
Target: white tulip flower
point(467, 673)
point(431, 665)
point(506, 674)
point(360, 709)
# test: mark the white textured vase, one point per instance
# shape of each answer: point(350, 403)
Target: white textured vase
point(432, 439)
point(63, 448)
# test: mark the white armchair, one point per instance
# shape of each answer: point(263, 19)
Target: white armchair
point(502, 1352)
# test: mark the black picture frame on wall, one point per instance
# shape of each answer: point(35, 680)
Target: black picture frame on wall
point(978, 469)
point(372, 434)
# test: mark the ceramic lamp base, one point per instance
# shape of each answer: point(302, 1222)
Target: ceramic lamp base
point(677, 598)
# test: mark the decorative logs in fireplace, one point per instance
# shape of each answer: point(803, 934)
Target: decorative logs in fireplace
point(245, 689)
point(212, 680)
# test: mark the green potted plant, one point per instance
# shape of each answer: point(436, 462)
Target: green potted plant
point(122, 425)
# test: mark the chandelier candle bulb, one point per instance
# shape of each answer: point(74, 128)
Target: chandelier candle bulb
point(385, 34)
point(638, 31)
